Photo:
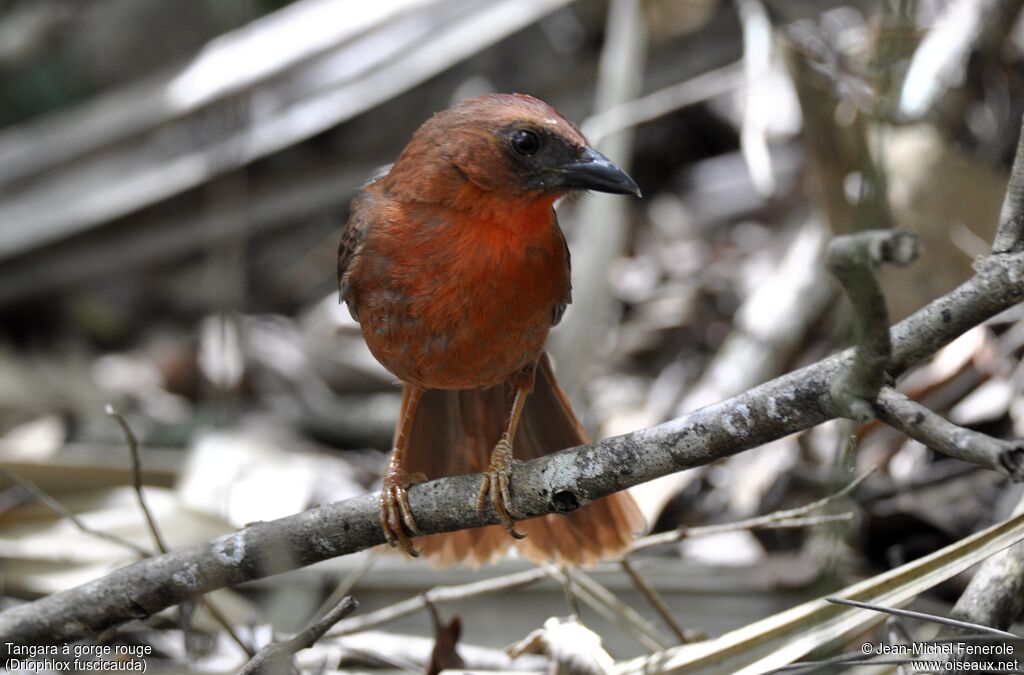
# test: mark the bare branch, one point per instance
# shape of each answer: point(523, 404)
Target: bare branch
point(790, 403)
point(995, 595)
point(570, 593)
point(938, 433)
point(63, 511)
point(659, 604)
point(438, 595)
point(347, 584)
point(1010, 235)
point(796, 517)
point(853, 259)
point(604, 602)
point(765, 522)
point(274, 654)
point(133, 449)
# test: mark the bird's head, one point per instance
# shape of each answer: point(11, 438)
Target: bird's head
point(510, 146)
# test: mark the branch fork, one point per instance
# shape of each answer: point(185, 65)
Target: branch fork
point(862, 391)
point(854, 260)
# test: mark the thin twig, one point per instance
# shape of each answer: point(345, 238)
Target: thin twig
point(787, 518)
point(657, 602)
point(63, 511)
point(596, 597)
point(758, 523)
point(131, 440)
point(609, 599)
point(133, 449)
point(809, 521)
point(438, 595)
point(224, 623)
point(348, 583)
point(966, 625)
point(570, 593)
point(276, 652)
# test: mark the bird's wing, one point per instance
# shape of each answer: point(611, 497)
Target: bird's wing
point(354, 234)
point(559, 310)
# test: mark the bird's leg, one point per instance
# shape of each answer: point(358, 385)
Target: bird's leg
point(499, 474)
point(395, 514)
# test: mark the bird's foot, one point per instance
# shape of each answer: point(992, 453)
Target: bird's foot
point(395, 513)
point(496, 485)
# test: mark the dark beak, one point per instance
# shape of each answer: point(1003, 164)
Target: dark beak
point(594, 171)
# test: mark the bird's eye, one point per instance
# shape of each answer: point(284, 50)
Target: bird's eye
point(525, 142)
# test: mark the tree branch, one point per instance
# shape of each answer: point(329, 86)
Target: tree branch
point(904, 414)
point(853, 259)
point(65, 512)
point(437, 595)
point(133, 450)
point(551, 484)
point(995, 595)
point(800, 516)
point(274, 656)
point(1010, 234)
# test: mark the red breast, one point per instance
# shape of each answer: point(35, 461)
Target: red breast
point(452, 300)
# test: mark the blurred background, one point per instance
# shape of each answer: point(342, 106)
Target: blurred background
point(174, 177)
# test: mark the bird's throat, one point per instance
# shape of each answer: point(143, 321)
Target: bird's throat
point(504, 217)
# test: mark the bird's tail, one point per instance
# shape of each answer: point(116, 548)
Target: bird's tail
point(454, 432)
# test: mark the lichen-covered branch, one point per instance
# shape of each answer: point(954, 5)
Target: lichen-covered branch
point(793, 402)
point(938, 433)
point(854, 259)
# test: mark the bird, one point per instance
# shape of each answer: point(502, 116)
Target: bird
point(453, 263)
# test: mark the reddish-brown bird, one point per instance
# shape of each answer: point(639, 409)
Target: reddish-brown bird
point(455, 267)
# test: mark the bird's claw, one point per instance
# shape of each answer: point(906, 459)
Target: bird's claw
point(496, 483)
point(396, 517)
